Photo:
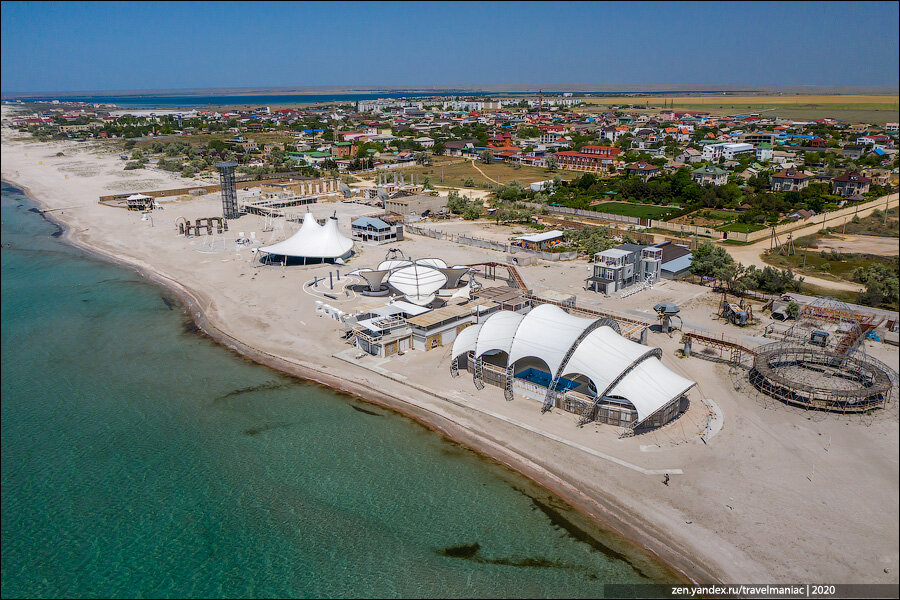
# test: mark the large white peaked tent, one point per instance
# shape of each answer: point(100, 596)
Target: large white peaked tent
point(313, 241)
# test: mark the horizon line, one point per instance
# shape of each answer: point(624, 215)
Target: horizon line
point(493, 88)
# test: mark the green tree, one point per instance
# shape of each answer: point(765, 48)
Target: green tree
point(552, 164)
point(882, 286)
point(487, 157)
point(792, 310)
point(714, 261)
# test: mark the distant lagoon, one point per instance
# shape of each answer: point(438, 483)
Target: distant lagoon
point(145, 101)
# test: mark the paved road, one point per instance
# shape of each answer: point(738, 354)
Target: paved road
point(752, 254)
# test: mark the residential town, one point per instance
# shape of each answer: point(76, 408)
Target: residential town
point(584, 177)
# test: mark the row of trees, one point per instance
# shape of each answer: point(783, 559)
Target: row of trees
point(716, 263)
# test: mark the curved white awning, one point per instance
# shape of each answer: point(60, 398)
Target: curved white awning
point(547, 332)
point(465, 340)
point(604, 356)
point(387, 265)
point(498, 332)
point(437, 263)
point(417, 282)
point(650, 386)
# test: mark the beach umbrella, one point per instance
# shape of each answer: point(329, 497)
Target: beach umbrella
point(668, 308)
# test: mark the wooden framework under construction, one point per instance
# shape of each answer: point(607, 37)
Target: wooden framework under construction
point(870, 383)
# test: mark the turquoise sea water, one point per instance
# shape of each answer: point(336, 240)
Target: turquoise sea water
point(141, 459)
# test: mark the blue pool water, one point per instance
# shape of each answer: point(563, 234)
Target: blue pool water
point(543, 378)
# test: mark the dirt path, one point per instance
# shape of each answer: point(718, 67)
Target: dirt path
point(483, 174)
point(752, 254)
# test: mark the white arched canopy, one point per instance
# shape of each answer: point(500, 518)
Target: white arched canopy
point(417, 282)
point(618, 367)
point(547, 332)
point(650, 386)
point(465, 340)
point(498, 332)
point(437, 263)
point(604, 357)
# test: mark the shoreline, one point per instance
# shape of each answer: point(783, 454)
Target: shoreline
point(601, 511)
point(738, 504)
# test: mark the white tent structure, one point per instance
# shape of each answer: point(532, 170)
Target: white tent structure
point(418, 280)
point(313, 241)
point(617, 369)
point(418, 283)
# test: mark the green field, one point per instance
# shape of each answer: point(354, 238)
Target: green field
point(742, 227)
point(874, 224)
point(851, 108)
point(630, 209)
point(827, 265)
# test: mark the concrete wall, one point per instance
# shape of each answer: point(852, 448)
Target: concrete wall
point(489, 244)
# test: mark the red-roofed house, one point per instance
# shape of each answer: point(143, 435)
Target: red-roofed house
point(789, 180)
point(849, 184)
point(601, 159)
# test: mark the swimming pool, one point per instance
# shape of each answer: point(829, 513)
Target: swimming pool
point(542, 378)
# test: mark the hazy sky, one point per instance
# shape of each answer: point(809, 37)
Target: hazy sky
point(72, 46)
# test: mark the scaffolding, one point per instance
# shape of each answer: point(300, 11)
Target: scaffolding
point(817, 379)
point(819, 366)
point(229, 189)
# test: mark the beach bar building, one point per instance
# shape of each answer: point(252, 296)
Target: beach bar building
point(139, 202)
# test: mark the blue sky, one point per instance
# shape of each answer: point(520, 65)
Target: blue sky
point(74, 46)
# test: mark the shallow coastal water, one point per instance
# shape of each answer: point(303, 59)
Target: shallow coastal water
point(141, 459)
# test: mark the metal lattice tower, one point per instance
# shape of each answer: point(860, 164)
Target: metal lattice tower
point(229, 190)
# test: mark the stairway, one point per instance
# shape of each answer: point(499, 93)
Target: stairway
point(507, 387)
point(479, 374)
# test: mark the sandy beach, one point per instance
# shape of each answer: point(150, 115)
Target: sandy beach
point(774, 495)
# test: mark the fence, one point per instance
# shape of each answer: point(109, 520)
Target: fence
point(246, 181)
point(592, 214)
point(640, 238)
point(829, 219)
point(692, 230)
point(469, 240)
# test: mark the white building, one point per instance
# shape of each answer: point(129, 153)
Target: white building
point(726, 150)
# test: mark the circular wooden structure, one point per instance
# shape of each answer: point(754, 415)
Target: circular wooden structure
point(818, 379)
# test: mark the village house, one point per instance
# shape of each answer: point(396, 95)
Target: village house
point(710, 175)
point(853, 151)
point(379, 230)
point(460, 147)
point(642, 169)
point(599, 159)
point(343, 149)
point(726, 150)
point(789, 180)
point(689, 155)
point(850, 184)
point(540, 241)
